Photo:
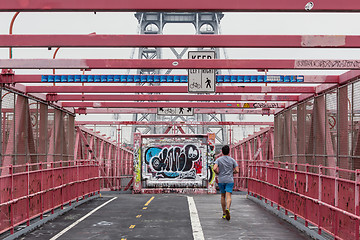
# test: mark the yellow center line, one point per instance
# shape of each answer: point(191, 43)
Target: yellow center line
point(144, 207)
point(132, 226)
point(148, 202)
point(138, 216)
point(123, 239)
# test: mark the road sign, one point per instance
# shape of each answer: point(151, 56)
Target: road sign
point(201, 80)
point(176, 111)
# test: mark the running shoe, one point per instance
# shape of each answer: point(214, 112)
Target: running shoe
point(227, 214)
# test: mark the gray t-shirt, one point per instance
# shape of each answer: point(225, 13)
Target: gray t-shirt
point(226, 168)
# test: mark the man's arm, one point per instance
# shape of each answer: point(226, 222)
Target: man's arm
point(216, 168)
point(236, 169)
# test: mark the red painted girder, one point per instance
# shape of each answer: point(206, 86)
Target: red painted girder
point(172, 105)
point(37, 79)
point(151, 40)
point(174, 135)
point(180, 6)
point(141, 97)
point(169, 123)
point(154, 111)
point(166, 89)
point(179, 64)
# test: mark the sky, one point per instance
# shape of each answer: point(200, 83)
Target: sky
point(232, 24)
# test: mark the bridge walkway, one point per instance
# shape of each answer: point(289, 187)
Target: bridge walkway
point(165, 216)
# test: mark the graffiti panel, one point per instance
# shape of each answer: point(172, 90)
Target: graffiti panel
point(177, 165)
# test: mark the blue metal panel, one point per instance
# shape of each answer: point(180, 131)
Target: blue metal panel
point(170, 78)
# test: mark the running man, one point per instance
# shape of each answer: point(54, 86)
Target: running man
point(225, 167)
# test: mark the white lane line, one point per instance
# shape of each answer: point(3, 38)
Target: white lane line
point(195, 221)
point(79, 220)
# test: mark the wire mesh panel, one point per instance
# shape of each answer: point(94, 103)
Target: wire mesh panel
point(356, 126)
point(323, 130)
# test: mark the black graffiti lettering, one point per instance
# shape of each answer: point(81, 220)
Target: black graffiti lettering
point(328, 64)
point(266, 105)
point(175, 159)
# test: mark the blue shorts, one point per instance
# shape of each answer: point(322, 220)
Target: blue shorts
point(226, 187)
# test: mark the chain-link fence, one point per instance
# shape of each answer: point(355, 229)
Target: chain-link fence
point(322, 130)
point(33, 131)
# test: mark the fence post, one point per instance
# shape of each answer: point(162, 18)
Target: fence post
point(77, 181)
point(319, 198)
point(295, 185)
point(28, 193)
point(52, 190)
point(11, 171)
point(357, 210)
point(336, 201)
point(41, 189)
point(62, 186)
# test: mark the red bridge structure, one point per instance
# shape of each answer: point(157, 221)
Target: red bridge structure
point(302, 164)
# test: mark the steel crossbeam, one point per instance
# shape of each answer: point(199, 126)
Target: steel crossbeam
point(154, 111)
point(150, 40)
point(181, 6)
point(191, 123)
point(117, 97)
point(23, 78)
point(179, 64)
point(172, 105)
point(166, 89)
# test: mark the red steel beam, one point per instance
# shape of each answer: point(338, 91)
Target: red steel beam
point(166, 89)
point(179, 64)
point(181, 6)
point(17, 78)
point(106, 123)
point(148, 40)
point(171, 105)
point(154, 111)
point(107, 97)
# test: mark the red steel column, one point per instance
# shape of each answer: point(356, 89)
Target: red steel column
point(343, 131)
point(17, 137)
point(43, 133)
point(71, 137)
point(300, 138)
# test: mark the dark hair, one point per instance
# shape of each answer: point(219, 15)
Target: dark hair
point(225, 150)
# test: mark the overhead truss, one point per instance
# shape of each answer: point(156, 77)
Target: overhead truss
point(181, 6)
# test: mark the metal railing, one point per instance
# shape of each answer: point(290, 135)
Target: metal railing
point(32, 193)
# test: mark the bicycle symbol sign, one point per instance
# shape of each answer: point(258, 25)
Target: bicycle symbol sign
point(201, 80)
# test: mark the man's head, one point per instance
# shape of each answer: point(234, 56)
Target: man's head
point(225, 150)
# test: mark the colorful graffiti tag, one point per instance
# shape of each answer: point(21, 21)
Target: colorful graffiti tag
point(210, 163)
point(174, 162)
point(137, 162)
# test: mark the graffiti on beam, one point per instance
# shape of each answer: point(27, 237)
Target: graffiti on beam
point(342, 64)
point(266, 105)
point(174, 162)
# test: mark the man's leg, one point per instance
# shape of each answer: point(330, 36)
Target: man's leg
point(228, 189)
point(228, 200)
point(223, 202)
